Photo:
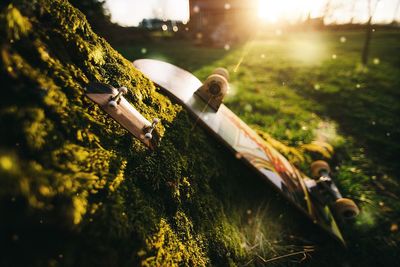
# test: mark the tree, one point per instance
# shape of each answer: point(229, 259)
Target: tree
point(368, 34)
point(395, 11)
point(327, 9)
point(353, 6)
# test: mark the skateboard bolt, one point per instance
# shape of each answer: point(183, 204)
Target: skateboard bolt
point(115, 100)
point(149, 134)
point(215, 89)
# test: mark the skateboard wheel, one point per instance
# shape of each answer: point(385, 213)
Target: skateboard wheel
point(112, 104)
point(148, 136)
point(123, 90)
point(346, 208)
point(155, 121)
point(317, 167)
point(216, 85)
point(223, 72)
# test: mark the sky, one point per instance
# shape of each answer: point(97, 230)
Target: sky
point(131, 12)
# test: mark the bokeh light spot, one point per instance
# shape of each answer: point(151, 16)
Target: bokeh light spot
point(6, 163)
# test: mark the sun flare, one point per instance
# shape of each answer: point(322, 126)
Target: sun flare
point(269, 10)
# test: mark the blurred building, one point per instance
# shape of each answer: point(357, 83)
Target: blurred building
point(159, 24)
point(222, 21)
point(151, 24)
point(313, 23)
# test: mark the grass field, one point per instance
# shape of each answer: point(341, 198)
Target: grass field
point(300, 87)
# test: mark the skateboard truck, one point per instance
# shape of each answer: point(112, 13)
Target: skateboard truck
point(112, 101)
point(325, 191)
point(214, 88)
point(115, 100)
point(149, 130)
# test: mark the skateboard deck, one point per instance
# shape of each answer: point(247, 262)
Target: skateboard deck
point(245, 144)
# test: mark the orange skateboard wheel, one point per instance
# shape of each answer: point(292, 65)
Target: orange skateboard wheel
point(318, 166)
point(346, 208)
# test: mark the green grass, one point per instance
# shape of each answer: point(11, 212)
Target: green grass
point(300, 87)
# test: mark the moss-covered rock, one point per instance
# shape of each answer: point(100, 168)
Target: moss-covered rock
point(76, 189)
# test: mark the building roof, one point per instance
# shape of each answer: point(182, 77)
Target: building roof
point(224, 4)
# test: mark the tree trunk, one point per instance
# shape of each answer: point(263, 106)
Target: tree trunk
point(395, 12)
point(367, 41)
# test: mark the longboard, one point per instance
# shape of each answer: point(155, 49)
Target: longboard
point(245, 144)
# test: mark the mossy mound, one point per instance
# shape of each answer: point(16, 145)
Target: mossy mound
point(76, 189)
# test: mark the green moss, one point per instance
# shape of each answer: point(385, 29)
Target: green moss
point(17, 25)
point(170, 248)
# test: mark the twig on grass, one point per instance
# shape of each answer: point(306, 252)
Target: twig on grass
point(303, 252)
